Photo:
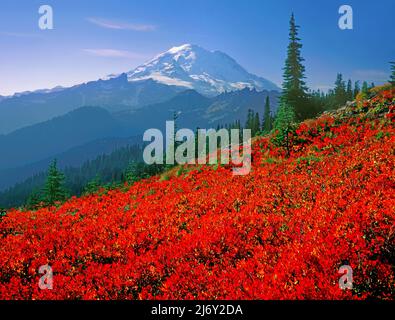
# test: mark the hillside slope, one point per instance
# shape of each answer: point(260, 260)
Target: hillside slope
point(281, 232)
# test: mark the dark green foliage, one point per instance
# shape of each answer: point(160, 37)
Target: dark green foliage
point(294, 85)
point(336, 97)
point(365, 88)
point(108, 168)
point(267, 122)
point(349, 91)
point(284, 125)
point(250, 119)
point(357, 89)
point(54, 189)
point(253, 122)
point(35, 199)
point(138, 170)
point(340, 90)
point(256, 125)
point(93, 186)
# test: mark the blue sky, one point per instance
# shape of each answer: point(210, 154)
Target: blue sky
point(94, 38)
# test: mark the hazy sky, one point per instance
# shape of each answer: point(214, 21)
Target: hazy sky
point(92, 39)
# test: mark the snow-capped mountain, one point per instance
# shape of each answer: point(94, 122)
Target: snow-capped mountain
point(188, 67)
point(193, 67)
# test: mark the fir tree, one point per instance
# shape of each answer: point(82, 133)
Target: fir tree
point(294, 86)
point(350, 93)
point(54, 189)
point(35, 199)
point(284, 125)
point(340, 91)
point(365, 89)
point(250, 120)
point(256, 125)
point(357, 89)
point(267, 118)
point(93, 185)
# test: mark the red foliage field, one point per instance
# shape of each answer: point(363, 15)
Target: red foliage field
point(281, 232)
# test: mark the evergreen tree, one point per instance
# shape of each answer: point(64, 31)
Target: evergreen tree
point(350, 93)
point(110, 167)
point(357, 89)
point(267, 118)
point(294, 86)
point(250, 120)
point(365, 88)
point(93, 185)
point(35, 199)
point(256, 125)
point(284, 126)
point(340, 91)
point(138, 170)
point(392, 77)
point(54, 189)
point(135, 172)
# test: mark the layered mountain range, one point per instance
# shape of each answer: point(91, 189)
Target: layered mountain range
point(206, 89)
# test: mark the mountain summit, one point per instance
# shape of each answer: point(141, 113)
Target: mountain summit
point(188, 67)
point(193, 67)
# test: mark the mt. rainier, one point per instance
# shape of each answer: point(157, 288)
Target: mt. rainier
point(188, 67)
point(193, 67)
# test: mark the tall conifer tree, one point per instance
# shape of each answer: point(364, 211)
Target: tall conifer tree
point(267, 118)
point(340, 91)
point(54, 189)
point(294, 85)
point(357, 89)
point(350, 94)
point(365, 88)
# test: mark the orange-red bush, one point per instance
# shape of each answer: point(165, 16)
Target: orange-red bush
point(281, 232)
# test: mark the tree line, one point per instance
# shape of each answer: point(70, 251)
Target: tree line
point(297, 102)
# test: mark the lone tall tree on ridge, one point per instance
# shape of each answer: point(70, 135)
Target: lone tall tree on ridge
point(294, 85)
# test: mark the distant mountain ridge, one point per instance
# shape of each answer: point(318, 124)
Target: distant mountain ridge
point(51, 137)
point(206, 88)
point(185, 67)
point(30, 149)
point(196, 110)
point(114, 95)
